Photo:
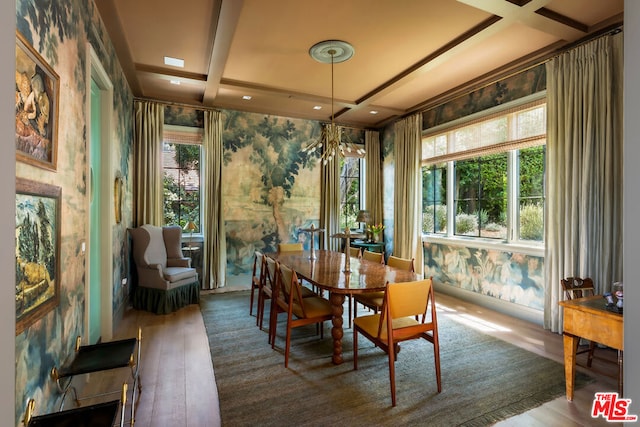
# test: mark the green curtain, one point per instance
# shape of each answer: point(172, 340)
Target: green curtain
point(330, 203)
point(147, 192)
point(373, 179)
point(583, 231)
point(407, 204)
point(215, 243)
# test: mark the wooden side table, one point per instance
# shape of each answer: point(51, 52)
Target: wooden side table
point(195, 254)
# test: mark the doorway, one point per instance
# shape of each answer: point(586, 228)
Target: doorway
point(99, 264)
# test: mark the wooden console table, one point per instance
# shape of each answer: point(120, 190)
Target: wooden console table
point(370, 246)
point(588, 318)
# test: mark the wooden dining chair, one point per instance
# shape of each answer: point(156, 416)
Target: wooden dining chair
point(355, 252)
point(258, 259)
point(270, 283)
point(577, 287)
point(290, 247)
point(401, 263)
point(300, 311)
point(373, 300)
point(396, 322)
point(373, 256)
point(296, 247)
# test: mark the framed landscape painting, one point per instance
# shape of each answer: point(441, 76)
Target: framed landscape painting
point(37, 89)
point(37, 251)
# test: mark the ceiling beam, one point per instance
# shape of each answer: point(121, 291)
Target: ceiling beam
point(227, 22)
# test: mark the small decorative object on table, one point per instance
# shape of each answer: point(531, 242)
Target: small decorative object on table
point(618, 293)
point(376, 231)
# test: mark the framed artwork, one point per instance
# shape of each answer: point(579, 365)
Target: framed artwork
point(37, 90)
point(37, 251)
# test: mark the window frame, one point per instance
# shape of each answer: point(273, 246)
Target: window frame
point(512, 239)
point(186, 135)
point(361, 190)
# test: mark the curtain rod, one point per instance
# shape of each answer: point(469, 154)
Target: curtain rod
point(609, 30)
point(177, 104)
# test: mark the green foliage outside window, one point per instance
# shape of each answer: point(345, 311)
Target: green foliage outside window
point(181, 184)
point(349, 192)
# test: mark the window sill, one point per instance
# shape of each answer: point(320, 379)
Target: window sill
point(533, 249)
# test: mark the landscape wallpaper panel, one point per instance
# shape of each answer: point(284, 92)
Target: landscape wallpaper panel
point(271, 188)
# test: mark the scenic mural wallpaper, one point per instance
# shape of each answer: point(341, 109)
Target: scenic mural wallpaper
point(59, 31)
point(271, 191)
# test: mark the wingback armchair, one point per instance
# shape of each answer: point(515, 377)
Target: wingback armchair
point(166, 280)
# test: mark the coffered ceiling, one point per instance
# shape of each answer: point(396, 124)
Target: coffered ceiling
point(409, 54)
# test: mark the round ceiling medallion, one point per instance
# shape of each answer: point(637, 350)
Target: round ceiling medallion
point(324, 50)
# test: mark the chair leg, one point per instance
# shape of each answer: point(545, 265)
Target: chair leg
point(259, 310)
point(273, 322)
point(592, 346)
point(287, 345)
point(350, 298)
point(392, 374)
point(436, 359)
point(620, 373)
point(251, 299)
point(355, 350)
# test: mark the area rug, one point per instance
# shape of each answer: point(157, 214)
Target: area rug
point(484, 379)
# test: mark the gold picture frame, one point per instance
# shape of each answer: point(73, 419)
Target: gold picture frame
point(38, 223)
point(37, 94)
point(117, 198)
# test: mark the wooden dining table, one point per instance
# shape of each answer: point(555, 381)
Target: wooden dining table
point(327, 272)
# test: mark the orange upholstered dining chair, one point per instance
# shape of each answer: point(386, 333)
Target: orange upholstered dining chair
point(290, 247)
point(373, 256)
point(408, 313)
point(300, 311)
point(373, 300)
point(355, 252)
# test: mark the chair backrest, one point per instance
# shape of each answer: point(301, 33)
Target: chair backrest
point(400, 263)
point(172, 236)
point(290, 247)
point(270, 273)
point(148, 245)
point(404, 301)
point(373, 256)
point(355, 252)
point(577, 287)
point(408, 298)
point(258, 266)
point(290, 289)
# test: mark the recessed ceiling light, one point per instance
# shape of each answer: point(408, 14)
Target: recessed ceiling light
point(317, 107)
point(246, 97)
point(175, 62)
point(373, 112)
point(175, 82)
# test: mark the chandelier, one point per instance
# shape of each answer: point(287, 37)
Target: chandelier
point(332, 51)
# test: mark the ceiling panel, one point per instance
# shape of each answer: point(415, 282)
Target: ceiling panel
point(408, 53)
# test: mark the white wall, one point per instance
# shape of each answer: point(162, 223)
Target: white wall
point(7, 212)
point(632, 203)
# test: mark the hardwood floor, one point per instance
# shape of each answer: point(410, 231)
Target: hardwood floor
point(179, 384)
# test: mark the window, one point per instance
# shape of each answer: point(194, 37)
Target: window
point(350, 191)
point(434, 202)
point(181, 160)
point(486, 177)
point(481, 196)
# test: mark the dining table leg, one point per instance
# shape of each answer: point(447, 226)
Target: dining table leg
point(337, 301)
